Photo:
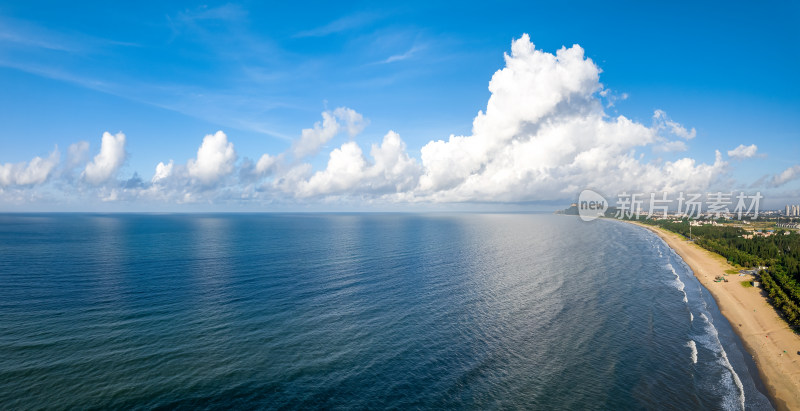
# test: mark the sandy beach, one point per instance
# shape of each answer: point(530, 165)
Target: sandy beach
point(766, 336)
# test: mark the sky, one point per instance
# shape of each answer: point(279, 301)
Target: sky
point(248, 106)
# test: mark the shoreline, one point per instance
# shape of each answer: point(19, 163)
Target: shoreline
point(765, 335)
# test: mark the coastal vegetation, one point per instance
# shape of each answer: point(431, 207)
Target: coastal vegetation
point(775, 257)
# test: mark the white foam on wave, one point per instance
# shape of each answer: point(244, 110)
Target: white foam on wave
point(732, 379)
point(678, 283)
point(693, 346)
point(711, 341)
point(658, 248)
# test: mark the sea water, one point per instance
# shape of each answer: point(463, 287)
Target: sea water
point(475, 311)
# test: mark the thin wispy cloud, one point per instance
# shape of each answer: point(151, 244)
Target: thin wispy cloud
point(54, 73)
point(223, 109)
point(253, 75)
point(33, 37)
point(347, 23)
point(191, 21)
point(237, 105)
point(785, 176)
point(9, 37)
point(228, 12)
point(404, 56)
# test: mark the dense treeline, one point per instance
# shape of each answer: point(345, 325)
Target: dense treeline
point(731, 253)
point(784, 294)
point(779, 252)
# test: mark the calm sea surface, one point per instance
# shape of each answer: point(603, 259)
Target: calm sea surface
point(472, 311)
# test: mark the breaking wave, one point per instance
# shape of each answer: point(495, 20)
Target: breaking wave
point(678, 283)
point(731, 379)
point(693, 346)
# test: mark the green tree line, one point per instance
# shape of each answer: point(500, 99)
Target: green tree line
point(779, 252)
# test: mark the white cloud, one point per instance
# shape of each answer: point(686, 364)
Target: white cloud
point(392, 164)
point(786, 176)
point(662, 121)
point(266, 163)
point(670, 146)
point(77, 154)
point(215, 159)
point(36, 171)
point(545, 135)
point(311, 139)
point(400, 57)
point(105, 164)
point(743, 151)
point(345, 169)
point(348, 172)
point(163, 172)
point(612, 98)
point(291, 178)
point(353, 121)
point(200, 179)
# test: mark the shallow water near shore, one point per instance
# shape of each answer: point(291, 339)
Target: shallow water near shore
point(357, 311)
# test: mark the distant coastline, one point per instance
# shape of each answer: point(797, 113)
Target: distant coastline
point(773, 345)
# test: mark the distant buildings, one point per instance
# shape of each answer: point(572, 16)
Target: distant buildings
point(752, 234)
point(792, 211)
point(699, 223)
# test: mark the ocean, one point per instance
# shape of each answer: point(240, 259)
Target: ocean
point(357, 311)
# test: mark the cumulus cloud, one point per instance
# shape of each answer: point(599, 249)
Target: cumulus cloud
point(266, 163)
point(311, 139)
point(200, 179)
point(36, 171)
point(791, 173)
point(743, 151)
point(391, 170)
point(353, 121)
point(105, 164)
point(545, 135)
point(163, 172)
point(215, 159)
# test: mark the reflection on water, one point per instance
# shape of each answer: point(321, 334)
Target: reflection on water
point(352, 310)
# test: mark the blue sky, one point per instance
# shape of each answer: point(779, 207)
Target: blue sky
point(167, 74)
